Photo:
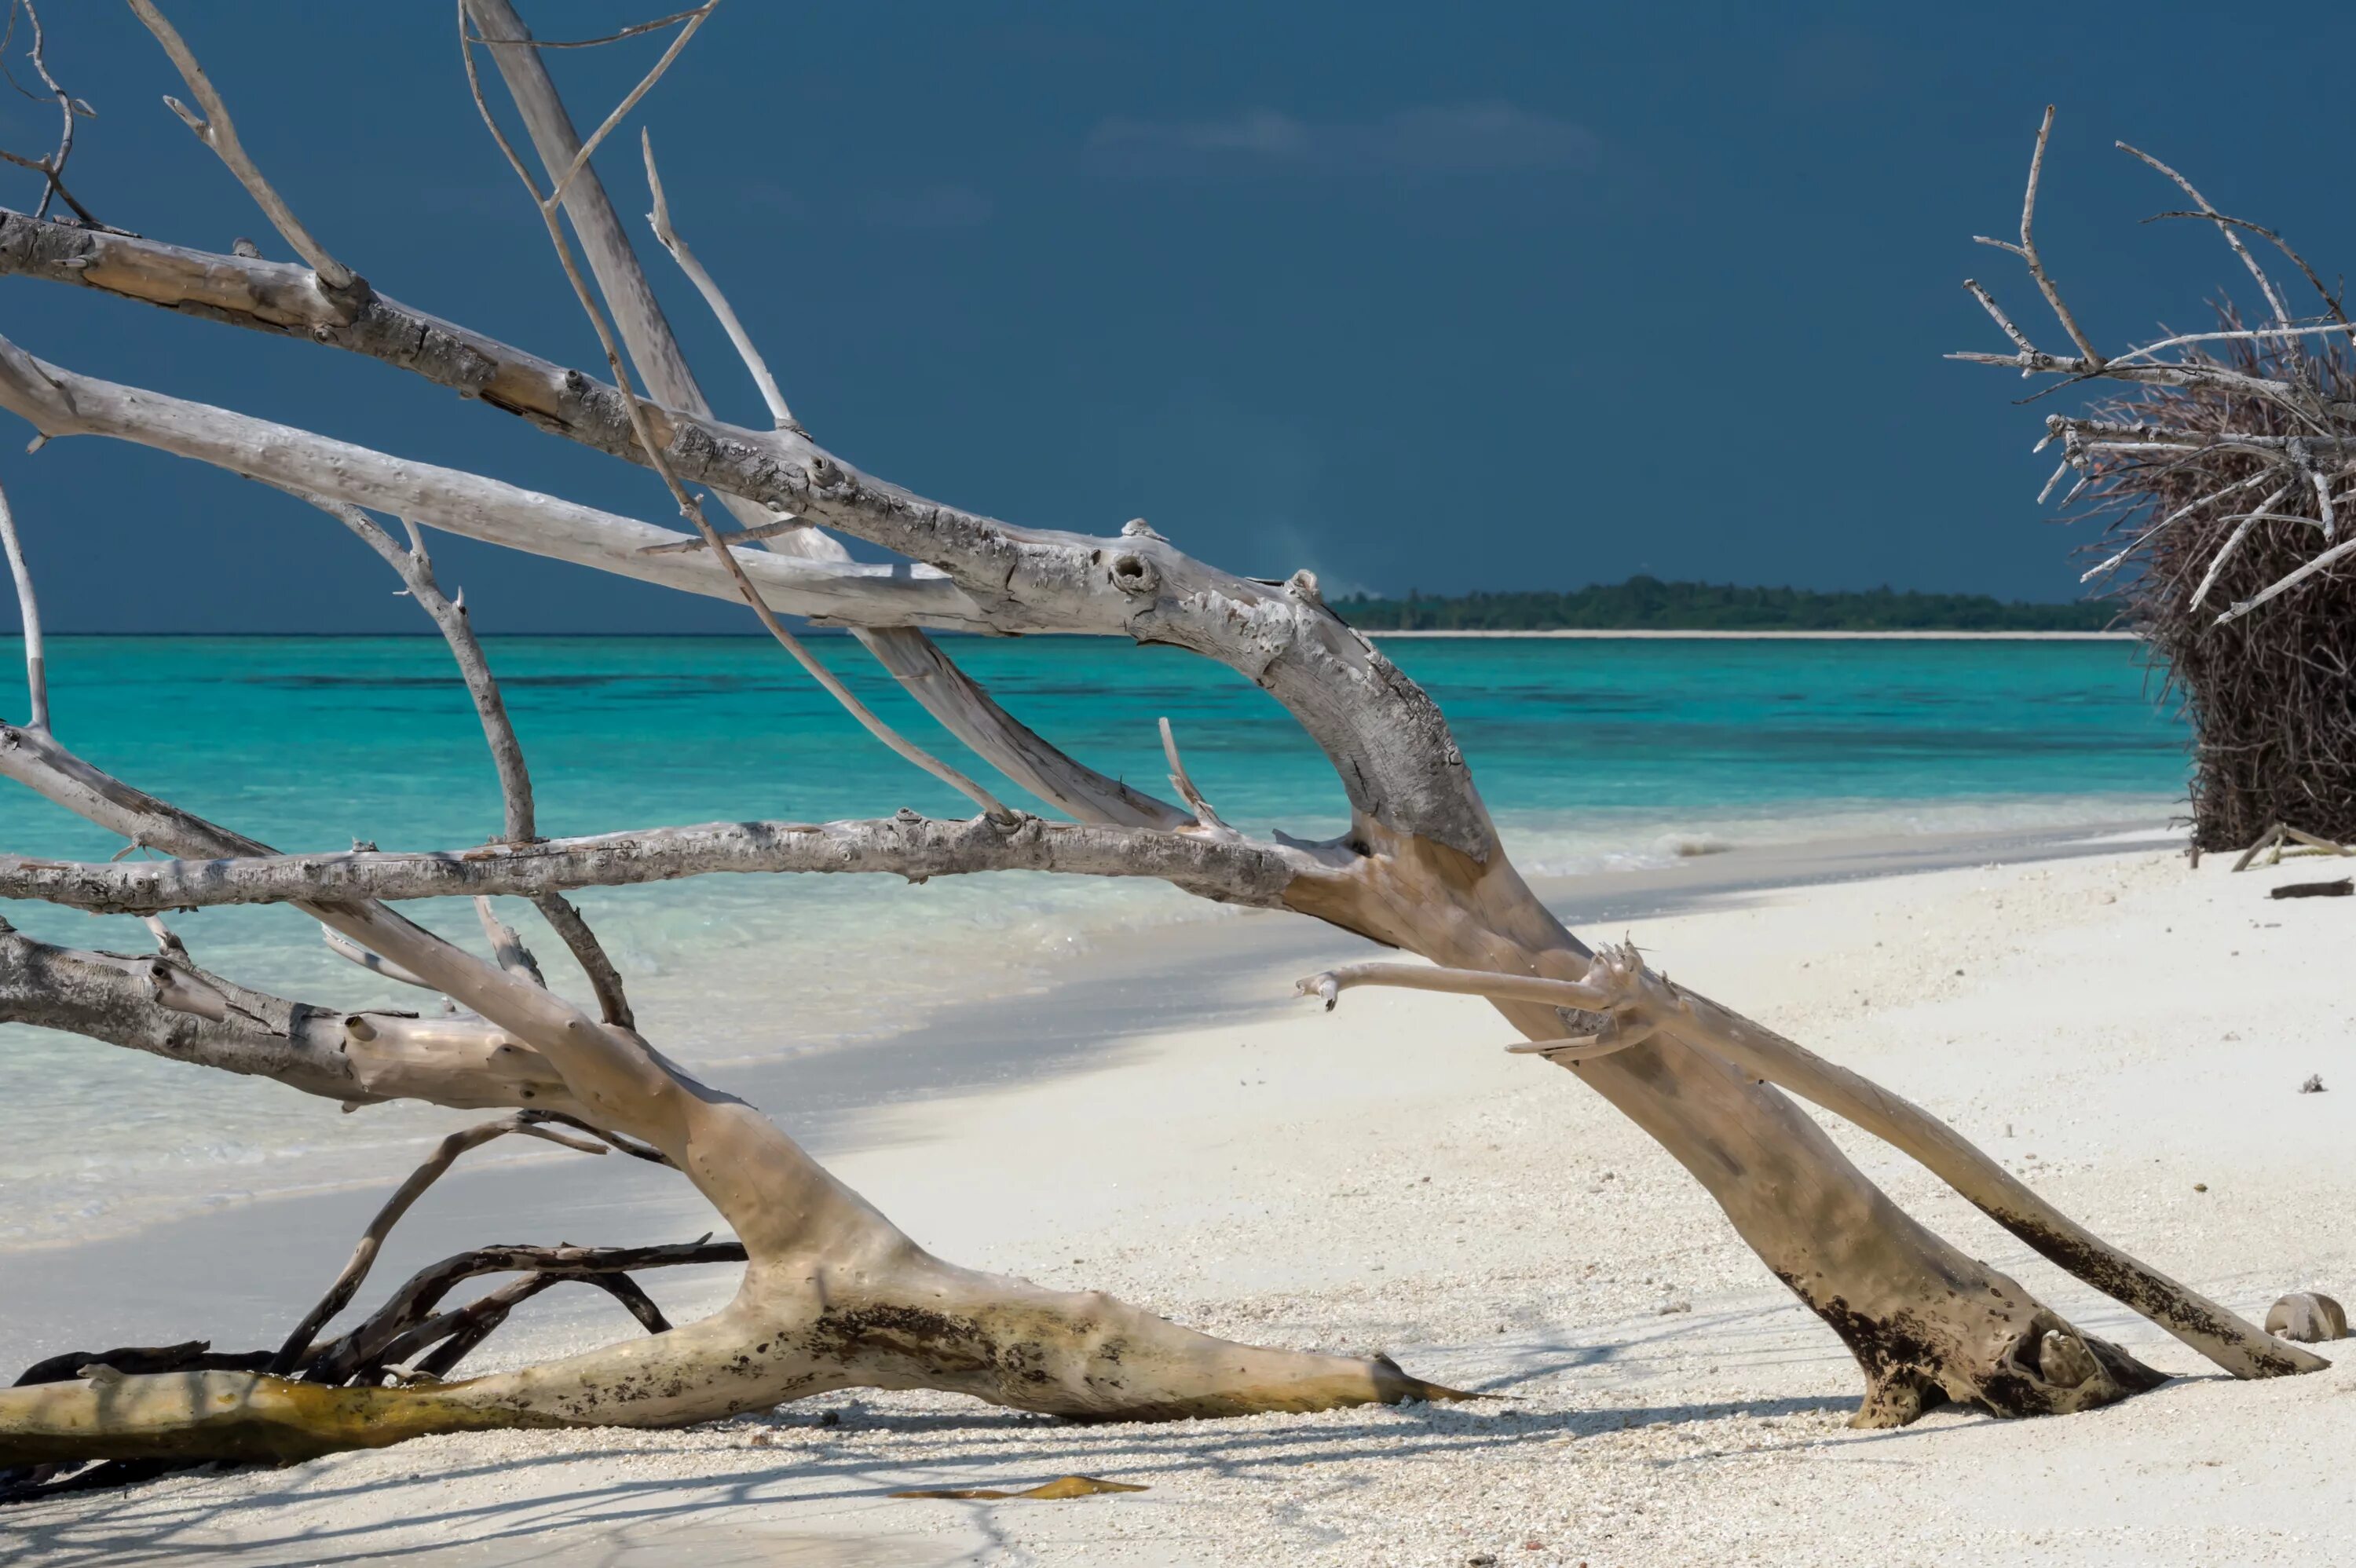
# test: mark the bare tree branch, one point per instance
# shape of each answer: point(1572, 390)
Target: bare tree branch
point(621, 110)
point(68, 108)
point(351, 952)
point(2233, 542)
point(643, 432)
point(2277, 395)
point(41, 166)
point(2331, 301)
point(834, 1295)
point(2114, 562)
point(2225, 230)
point(415, 568)
point(2027, 250)
point(508, 950)
point(588, 1059)
point(572, 928)
point(2323, 562)
point(790, 1214)
point(215, 130)
point(927, 675)
point(164, 1005)
point(737, 540)
point(356, 1269)
point(632, 31)
point(460, 1331)
point(117, 999)
point(1183, 785)
point(29, 613)
point(466, 503)
point(413, 1302)
point(1392, 752)
point(1988, 302)
point(1217, 865)
point(759, 367)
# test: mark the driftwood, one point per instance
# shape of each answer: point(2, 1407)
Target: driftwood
point(2280, 840)
point(2339, 890)
point(833, 1295)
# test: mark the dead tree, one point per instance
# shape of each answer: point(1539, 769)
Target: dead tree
point(2221, 471)
point(833, 1295)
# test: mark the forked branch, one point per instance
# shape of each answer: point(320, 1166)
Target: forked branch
point(215, 129)
point(51, 166)
point(1620, 985)
point(415, 568)
point(642, 431)
point(2091, 359)
point(757, 367)
point(927, 675)
point(354, 1271)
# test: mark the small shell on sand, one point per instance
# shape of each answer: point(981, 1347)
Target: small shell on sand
point(2308, 1317)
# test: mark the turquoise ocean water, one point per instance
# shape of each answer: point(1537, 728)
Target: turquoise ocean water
point(1593, 754)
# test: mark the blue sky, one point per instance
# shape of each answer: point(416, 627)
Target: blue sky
point(1435, 297)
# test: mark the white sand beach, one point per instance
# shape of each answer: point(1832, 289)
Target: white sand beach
point(2129, 1034)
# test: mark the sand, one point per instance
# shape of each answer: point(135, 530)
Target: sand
point(2123, 1031)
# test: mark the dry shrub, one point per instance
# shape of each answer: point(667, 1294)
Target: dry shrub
point(2271, 694)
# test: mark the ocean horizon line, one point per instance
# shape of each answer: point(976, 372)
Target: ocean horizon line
point(1704, 745)
point(1598, 634)
point(1780, 635)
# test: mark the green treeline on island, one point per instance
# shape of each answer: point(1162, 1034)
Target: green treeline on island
point(1648, 604)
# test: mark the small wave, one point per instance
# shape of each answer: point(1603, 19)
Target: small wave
point(730, 971)
point(1688, 845)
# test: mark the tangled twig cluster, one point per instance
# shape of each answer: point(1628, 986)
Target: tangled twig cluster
point(2223, 477)
point(2271, 695)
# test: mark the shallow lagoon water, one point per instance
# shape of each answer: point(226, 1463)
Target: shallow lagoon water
point(1594, 755)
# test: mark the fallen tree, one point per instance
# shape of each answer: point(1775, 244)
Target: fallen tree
point(834, 1295)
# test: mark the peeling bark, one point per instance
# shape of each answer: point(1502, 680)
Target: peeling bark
point(915, 847)
point(115, 998)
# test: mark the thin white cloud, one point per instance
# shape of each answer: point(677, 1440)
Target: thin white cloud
point(768, 195)
point(1430, 140)
point(943, 206)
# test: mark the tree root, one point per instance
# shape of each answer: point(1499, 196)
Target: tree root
point(2012, 1356)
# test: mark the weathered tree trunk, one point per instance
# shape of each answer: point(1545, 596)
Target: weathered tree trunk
point(1926, 1323)
point(834, 1295)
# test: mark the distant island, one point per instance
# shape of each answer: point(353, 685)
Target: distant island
point(1649, 604)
